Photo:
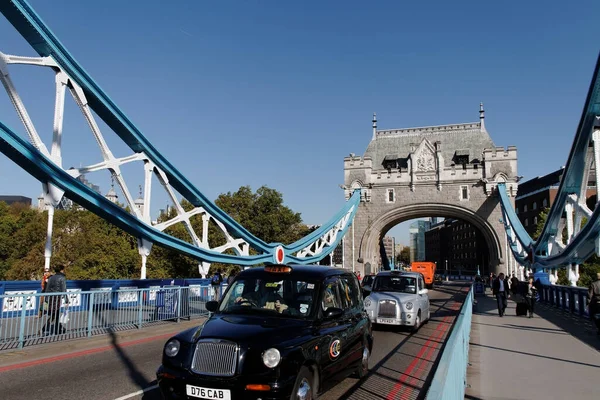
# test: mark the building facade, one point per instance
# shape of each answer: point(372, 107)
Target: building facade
point(445, 170)
point(457, 247)
point(416, 232)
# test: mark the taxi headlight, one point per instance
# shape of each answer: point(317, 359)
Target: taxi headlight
point(172, 348)
point(271, 357)
point(368, 302)
point(408, 305)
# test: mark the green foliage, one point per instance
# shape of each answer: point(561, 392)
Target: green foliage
point(96, 249)
point(404, 255)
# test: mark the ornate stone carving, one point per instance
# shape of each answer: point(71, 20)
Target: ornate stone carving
point(425, 163)
point(425, 157)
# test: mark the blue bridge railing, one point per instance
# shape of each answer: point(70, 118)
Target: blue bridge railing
point(568, 298)
point(450, 376)
point(28, 319)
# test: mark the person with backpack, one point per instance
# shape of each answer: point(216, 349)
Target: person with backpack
point(215, 282)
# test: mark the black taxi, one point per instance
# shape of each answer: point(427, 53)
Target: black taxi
point(279, 332)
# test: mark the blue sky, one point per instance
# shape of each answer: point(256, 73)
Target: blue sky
point(277, 93)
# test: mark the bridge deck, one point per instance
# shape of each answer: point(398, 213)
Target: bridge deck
point(115, 366)
point(551, 356)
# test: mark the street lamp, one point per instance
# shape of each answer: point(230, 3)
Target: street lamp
point(446, 270)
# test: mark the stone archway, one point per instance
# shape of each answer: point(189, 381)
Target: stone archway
point(445, 170)
point(368, 242)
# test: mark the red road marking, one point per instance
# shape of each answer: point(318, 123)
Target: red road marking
point(438, 332)
point(428, 354)
point(82, 353)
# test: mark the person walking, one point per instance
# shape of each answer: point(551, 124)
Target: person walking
point(531, 296)
point(215, 282)
point(43, 304)
point(499, 289)
point(57, 283)
point(594, 302)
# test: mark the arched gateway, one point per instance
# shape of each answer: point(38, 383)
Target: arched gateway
point(449, 171)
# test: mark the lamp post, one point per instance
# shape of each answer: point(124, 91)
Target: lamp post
point(446, 270)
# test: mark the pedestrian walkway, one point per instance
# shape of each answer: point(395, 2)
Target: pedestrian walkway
point(49, 352)
point(530, 358)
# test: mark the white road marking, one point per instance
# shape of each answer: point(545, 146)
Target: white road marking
point(128, 396)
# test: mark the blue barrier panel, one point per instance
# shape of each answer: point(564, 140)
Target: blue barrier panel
point(450, 376)
point(94, 312)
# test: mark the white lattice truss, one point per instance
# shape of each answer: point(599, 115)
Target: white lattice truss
point(328, 238)
point(111, 163)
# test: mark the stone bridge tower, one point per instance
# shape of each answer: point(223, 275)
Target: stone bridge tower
point(448, 171)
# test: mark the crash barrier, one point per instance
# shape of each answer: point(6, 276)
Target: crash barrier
point(450, 375)
point(572, 299)
point(34, 318)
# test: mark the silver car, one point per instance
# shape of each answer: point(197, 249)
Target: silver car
point(398, 298)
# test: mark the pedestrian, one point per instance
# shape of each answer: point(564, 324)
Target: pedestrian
point(531, 296)
point(594, 302)
point(231, 277)
point(57, 283)
point(499, 289)
point(43, 305)
point(215, 282)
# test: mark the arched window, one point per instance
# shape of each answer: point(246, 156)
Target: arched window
point(545, 203)
point(534, 207)
point(535, 220)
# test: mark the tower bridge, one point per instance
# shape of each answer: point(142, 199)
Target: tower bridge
point(449, 170)
point(453, 170)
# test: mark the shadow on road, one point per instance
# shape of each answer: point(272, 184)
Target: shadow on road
point(134, 373)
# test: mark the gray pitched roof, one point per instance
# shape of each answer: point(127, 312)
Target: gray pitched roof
point(453, 138)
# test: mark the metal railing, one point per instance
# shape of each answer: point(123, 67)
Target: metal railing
point(36, 318)
point(568, 298)
point(450, 376)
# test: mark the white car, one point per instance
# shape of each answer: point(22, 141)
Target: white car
point(398, 298)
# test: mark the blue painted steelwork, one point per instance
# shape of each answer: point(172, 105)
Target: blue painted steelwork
point(582, 246)
point(568, 298)
point(21, 15)
point(450, 375)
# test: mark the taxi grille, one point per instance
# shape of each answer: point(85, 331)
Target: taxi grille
point(387, 308)
point(215, 357)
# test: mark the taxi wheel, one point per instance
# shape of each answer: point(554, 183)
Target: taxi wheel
point(303, 389)
point(417, 322)
point(363, 368)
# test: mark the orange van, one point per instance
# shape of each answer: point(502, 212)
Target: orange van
point(427, 268)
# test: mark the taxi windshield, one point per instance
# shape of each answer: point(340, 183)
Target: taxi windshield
point(401, 284)
point(278, 296)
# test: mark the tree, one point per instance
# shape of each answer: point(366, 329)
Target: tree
point(96, 249)
point(404, 255)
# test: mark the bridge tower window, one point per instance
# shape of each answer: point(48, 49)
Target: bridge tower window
point(464, 192)
point(391, 196)
point(534, 207)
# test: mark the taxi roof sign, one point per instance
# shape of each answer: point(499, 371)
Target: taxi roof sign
point(278, 269)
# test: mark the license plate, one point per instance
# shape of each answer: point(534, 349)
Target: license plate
point(207, 393)
point(386, 321)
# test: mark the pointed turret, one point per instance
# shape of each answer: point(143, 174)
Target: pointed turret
point(374, 126)
point(482, 117)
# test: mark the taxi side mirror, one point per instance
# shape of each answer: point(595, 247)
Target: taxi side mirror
point(212, 306)
point(423, 291)
point(333, 313)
